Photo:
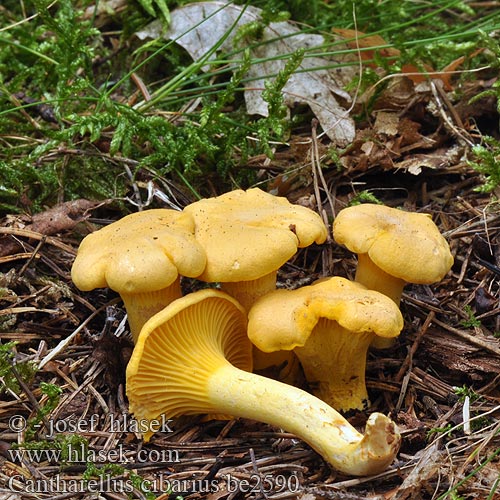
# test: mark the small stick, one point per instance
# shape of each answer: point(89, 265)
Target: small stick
point(29, 394)
point(408, 360)
point(67, 341)
point(467, 336)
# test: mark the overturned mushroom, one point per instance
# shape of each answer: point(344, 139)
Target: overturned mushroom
point(394, 247)
point(194, 357)
point(329, 325)
point(141, 257)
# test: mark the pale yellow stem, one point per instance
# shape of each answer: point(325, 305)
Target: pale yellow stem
point(242, 394)
point(334, 362)
point(247, 292)
point(142, 306)
point(374, 278)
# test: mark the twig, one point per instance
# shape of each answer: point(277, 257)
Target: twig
point(33, 255)
point(449, 123)
point(316, 166)
point(67, 341)
point(255, 468)
point(29, 394)
point(26, 233)
point(409, 359)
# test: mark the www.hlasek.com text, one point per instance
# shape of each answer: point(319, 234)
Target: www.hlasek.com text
point(81, 453)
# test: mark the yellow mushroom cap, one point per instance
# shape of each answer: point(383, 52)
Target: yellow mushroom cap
point(405, 245)
point(248, 234)
point(142, 252)
point(284, 319)
point(329, 325)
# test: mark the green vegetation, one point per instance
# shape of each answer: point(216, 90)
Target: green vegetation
point(364, 197)
point(452, 492)
point(439, 430)
point(11, 373)
point(109, 471)
point(69, 127)
point(53, 393)
point(471, 321)
point(464, 392)
point(487, 162)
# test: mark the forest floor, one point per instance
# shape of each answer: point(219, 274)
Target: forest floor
point(439, 382)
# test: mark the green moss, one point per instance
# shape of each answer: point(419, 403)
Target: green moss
point(8, 380)
point(68, 125)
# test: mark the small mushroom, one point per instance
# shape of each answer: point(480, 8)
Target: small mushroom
point(394, 248)
point(194, 357)
point(329, 325)
point(141, 257)
point(248, 236)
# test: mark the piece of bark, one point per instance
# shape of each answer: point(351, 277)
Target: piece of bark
point(462, 359)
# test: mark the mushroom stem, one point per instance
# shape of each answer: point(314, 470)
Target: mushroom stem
point(252, 396)
point(247, 292)
point(327, 359)
point(374, 278)
point(142, 306)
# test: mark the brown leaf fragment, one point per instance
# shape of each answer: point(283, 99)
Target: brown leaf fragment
point(486, 249)
point(60, 218)
point(359, 39)
point(484, 301)
point(439, 159)
point(398, 95)
point(411, 138)
point(430, 462)
point(386, 123)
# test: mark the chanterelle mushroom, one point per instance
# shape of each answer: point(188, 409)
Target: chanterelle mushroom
point(394, 247)
point(193, 357)
point(141, 257)
point(248, 236)
point(329, 325)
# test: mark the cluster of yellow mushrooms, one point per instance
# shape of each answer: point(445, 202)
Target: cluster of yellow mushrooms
point(198, 353)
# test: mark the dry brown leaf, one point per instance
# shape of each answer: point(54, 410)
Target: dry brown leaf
point(355, 39)
point(199, 26)
point(431, 460)
point(62, 217)
point(386, 123)
point(417, 74)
